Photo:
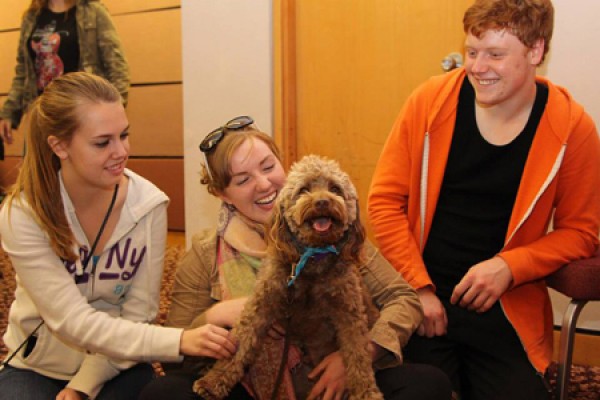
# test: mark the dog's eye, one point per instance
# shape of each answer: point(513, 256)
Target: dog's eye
point(304, 189)
point(335, 189)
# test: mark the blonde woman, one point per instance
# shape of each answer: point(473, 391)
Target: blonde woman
point(86, 237)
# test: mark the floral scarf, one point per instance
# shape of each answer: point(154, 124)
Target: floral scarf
point(240, 250)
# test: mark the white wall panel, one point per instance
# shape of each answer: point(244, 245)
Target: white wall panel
point(227, 71)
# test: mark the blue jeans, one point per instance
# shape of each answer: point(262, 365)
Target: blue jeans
point(23, 384)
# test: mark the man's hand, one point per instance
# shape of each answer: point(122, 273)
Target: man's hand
point(435, 321)
point(483, 285)
point(6, 131)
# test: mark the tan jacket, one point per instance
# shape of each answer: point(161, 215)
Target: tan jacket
point(196, 289)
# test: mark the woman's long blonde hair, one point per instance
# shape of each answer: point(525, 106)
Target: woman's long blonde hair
point(56, 112)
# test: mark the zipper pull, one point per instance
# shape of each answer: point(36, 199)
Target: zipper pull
point(92, 279)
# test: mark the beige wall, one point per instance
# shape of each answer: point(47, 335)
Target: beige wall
point(574, 57)
point(227, 70)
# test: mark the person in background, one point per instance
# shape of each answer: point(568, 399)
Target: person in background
point(86, 237)
point(477, 165)
point(243, 169)
point(57, 37)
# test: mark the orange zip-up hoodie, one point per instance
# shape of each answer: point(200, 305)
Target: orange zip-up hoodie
point(560, 182)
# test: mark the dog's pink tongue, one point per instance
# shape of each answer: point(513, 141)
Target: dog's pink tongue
point(322, 224)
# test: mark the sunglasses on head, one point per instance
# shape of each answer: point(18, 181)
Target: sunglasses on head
point(214, 137)
point(211, 140)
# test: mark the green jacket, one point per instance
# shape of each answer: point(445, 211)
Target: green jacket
point(100, 49)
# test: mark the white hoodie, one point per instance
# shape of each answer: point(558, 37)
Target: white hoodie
point(92, 329)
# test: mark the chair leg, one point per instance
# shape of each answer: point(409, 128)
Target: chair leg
point(565, 350)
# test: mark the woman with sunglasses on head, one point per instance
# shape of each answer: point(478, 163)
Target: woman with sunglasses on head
point(86, 237)
point(243, 169)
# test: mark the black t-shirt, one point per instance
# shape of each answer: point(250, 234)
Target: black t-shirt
point(478, 192)
point(54, 46)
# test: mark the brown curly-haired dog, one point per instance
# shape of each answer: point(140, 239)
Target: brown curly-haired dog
point(321, 302)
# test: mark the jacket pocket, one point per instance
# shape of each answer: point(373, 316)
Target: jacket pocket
point(31, 342)
point(49, 353)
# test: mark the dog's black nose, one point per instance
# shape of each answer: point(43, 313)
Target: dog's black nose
point(323, 203)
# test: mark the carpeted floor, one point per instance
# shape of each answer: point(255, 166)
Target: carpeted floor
point(585, 381)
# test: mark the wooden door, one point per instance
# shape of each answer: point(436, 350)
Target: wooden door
point(343, 69)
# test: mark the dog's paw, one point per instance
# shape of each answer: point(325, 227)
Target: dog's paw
point(365, 392)
point(204, 390)
point(373, 394)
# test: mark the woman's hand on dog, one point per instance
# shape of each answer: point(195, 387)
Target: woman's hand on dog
point(208, 341)
point(331, 374)
point(435, 320)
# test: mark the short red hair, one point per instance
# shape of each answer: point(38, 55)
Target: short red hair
point(528, 20)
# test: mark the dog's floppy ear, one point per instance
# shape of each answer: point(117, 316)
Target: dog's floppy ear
point(356, 238)
point(279, 236)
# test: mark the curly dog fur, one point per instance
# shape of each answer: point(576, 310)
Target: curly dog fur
point(326, 308)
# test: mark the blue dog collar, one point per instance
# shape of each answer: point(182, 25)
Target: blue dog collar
point(308, 253)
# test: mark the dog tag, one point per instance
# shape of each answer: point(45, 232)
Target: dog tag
point(292, 273)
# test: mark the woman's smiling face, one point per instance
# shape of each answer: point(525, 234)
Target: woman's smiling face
point(257, 178)
point(98, 151)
